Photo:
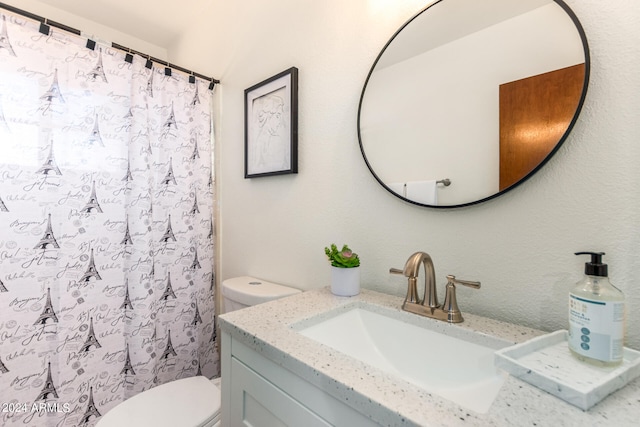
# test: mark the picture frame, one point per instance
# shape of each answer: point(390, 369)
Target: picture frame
point(271, 126)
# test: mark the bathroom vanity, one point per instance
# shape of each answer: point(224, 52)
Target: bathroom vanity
point(275, 375)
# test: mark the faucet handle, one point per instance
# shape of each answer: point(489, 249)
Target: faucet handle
point(450, 304)
point(468, 283)
point(396, 271)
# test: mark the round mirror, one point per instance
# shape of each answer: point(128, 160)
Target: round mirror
point(470, 98)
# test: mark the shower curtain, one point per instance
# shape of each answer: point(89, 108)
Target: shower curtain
point(106, 227)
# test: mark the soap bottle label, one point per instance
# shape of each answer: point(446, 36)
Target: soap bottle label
point(596, 328)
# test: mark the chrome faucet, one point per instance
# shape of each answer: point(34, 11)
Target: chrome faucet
point(428, 306)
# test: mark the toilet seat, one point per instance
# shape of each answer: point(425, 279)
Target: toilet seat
point(188, 402)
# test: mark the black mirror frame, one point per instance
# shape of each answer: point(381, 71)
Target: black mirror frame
point(587, 68)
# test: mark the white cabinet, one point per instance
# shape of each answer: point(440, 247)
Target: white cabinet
point(256, 392)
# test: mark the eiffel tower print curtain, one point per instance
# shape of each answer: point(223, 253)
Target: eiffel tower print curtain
point(106, 227)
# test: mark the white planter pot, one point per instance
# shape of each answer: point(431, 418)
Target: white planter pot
point(345, 282)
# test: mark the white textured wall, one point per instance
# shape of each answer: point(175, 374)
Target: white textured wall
point(520, 246)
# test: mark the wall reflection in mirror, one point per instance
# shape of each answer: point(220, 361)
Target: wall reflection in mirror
point(480, 93)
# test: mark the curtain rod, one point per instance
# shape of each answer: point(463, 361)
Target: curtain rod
point(48, 22)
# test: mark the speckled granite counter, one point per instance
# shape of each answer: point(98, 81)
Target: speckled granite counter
point(267, 329)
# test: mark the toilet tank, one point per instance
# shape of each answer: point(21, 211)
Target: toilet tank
point(245, 291)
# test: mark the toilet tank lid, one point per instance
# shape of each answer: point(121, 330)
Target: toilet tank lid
point(186, 402)
point(249, 290)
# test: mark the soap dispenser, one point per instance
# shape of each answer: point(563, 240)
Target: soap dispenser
point(596, 316)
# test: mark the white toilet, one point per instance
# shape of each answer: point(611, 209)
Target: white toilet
point(194, 401)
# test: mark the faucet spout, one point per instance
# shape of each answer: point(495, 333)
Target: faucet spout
point(411, 270)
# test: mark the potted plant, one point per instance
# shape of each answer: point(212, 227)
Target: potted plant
point(345, 270)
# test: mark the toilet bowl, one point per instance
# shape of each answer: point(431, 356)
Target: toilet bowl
point(194, 401)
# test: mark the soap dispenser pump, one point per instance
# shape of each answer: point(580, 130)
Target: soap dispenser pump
point(596, 316)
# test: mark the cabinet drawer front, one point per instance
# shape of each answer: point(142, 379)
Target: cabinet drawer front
point(255, 402)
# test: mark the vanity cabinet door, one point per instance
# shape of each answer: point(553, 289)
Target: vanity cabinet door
point(255, 402)
point(258, 392)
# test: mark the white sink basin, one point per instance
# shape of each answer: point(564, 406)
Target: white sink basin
point(459, 368)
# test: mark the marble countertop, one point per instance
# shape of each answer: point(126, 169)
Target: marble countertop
point(267, 329)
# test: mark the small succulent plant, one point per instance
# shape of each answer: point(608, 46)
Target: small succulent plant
point(344, 258)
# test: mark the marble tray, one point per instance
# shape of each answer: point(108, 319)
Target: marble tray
point(547, 363)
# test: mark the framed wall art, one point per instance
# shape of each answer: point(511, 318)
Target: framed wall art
point(271, 126)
